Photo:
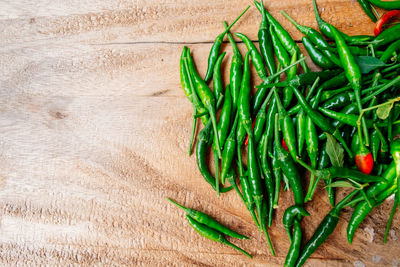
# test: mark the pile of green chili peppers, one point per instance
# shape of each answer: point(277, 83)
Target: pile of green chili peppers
point(342, 124)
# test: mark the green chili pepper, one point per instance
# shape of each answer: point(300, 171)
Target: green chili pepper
point(395, 204)
point(206, 97)
point(287, 92)
point(287, 127)
point(203, 142)
point(348, 119)
point(291, 214)
point(294, 250)
point(323, 231)
point(341, 172)
point(288, 167)
point(362, 209)
point(225, 117)
point(278, 176)
point(388, 5)
point(280, 51)
point(269, 183)
point(212, 234)
point(375, 144)
point(265, 42)
point(244, 99)
point(255, 56)
point(229, 150)
point(323, 163)
point(395, 152)
point(260, 119)
point(217, 78)
point(319, 120)
point(316, 55)
point(236, 71)
point(206, 219)
point(393, 47)
point(386, 37)
point(366, 6)
point(213, 56)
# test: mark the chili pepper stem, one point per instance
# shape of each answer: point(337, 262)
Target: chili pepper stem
point(194, 123)
point(179, 205)
point(214, 124)
point(236, 20)
point(389, 223)
point(226, 242)
point(314, 188)
point(366, 197)
point(216, 162)
point(302, 163)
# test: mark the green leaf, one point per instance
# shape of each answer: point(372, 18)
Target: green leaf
point(341, 184)
point(383, 111)
point(334, 151)
point(368, 63)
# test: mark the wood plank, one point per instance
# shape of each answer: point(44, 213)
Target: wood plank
point(94, 131)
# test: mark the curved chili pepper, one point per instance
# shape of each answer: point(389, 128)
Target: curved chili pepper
point(206, 219)
point(287, 127)
point(244, 98)
point(213, 56)
point(393, 47)
point(206, 97)
point(225, 117)
point(387, 36)
point(366, 6)
point(316, 38)
point(229, 150)
point(316, 55)
point(236, 70)
point(212, 234)
point(255, 55)
point(291, 214)
point(217, 79)
point(203, 142)
point(323, 231)
point(319, 120)
point(362, 209)
point(265, 42)
point(388, 5)
point(294, 250)
point(288, 167)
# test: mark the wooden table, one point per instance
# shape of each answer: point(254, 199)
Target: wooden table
point(94, 130)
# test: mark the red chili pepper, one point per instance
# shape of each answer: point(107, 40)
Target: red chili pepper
point(384, 19)
point(247, 137)
point(284, 145)
point(365, 162)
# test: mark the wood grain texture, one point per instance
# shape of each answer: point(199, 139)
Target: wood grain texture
point(94, 131)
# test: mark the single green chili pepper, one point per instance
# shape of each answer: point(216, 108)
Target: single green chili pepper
point(236, 71)
point(362, 209)
point(231, 177)
point(206, 219)
point(291, 214)
point(287, 127)
point(280, 51)
point(212, 234)
point(395, 152)
point(217, 78)
point(213, 56)
point(294, 250)
point(339, 100)
point(265, 42)
point(353, 74)
point(375, 190)
point(287, 92)
point(316, 55)
point(254, 177)
point(320, 121)
point(316, 38)
point(225, 117)
point(247, 194)
point(255, 55)
point(288, 167)
point(206, 97)
point(348, 119)
point(366, 6)
point(375, 144)
point(323, 231)
point(277, 175)
point(388, 5)
point(261, 118)
point(203, 142)
point(393, 47)
point(244, 99)
point(325, 29)
point(229, 150)
point(312, 147)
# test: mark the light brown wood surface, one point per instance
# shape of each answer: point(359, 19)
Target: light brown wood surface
point(94, 130)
